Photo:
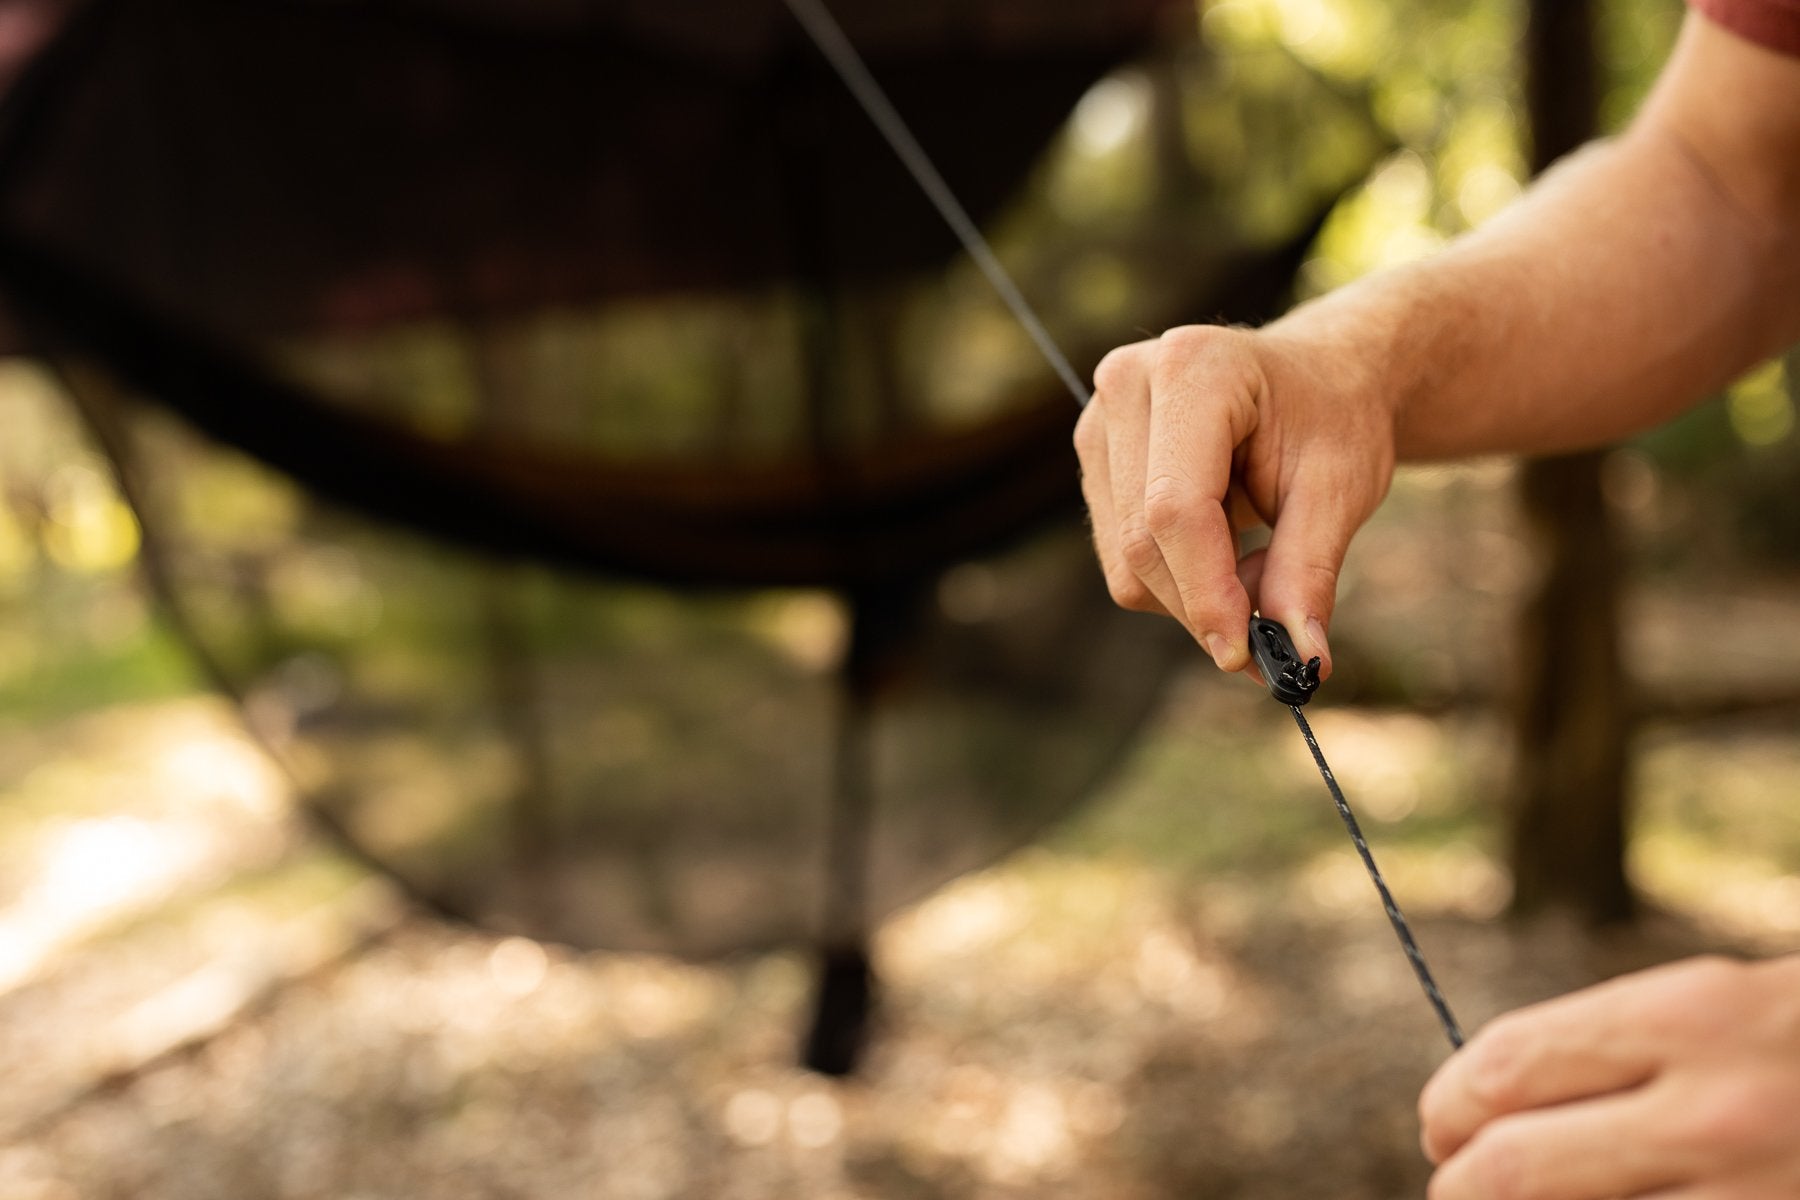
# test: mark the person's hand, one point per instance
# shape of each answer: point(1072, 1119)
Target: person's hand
point(1681, 1083)
point(1206, 432)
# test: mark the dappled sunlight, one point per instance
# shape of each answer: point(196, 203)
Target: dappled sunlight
point(1070, 1023)
point(1737, 893)
point(811, 628)
point(265, 951)
point(1454, 878)
point(1188, 988)
point(1485, 190)
point(1761, 406)
point(154, 892)
point(969, 918)
point(201, 810)
point(1386, 225)
point(324, 592)
point(1112, 112)
point(88, 529)
point(212, 767)
point(1343, 37)
point(88, 873)
point(1042, 922)
point(1153, 1004)
point(1719, 837)
point(1388, 763)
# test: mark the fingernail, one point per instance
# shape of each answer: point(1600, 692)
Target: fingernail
point(1229, 656)
point(1315, 637)
point(1218, 647)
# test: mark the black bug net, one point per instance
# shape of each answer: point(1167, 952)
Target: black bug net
point(566, 431)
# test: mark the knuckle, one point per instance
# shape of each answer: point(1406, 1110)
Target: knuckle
point(1127, 590)
point(1499, 1066)
point(1493, 1167)
point(1357, 491)
point(1502, 1172)
point(1737, 1118)
point(1116, 370)
point(1188, 346)
point(1204, 605)
point(1138, 545)
point(1314, 577)
point(1317, 571)
point(1712, 973)
point(1699, 994)
point(1184, 341)
point(1168, 505)
point(1497, 1164)
point(1090, 437)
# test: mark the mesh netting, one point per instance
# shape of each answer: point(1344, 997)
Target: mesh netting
point(569, 434)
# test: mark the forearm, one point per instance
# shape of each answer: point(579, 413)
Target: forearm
point(1633, 280)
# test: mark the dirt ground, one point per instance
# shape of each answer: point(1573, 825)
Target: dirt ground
point(1071, 1023)
point(1187, 991)
point(1200, 1058)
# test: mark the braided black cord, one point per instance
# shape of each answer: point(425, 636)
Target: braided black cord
point(826, 34)
point(1407, 943)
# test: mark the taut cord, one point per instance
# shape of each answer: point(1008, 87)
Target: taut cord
point(829, 37)
point(1408, 943)
point(1294, 685)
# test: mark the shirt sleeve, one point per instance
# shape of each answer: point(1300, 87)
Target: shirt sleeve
point(1771, 23)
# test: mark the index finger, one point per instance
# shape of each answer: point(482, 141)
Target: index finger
point(1603, 1039)
point(1203, 405)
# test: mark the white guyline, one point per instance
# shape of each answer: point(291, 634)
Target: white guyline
point(829, 37)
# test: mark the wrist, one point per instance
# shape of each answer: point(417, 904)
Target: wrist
point(1352, 354)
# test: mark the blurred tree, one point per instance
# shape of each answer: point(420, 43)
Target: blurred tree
point(763, 333)
point(1571, 722)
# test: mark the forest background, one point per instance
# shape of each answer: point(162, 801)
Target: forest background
point(1185, 989)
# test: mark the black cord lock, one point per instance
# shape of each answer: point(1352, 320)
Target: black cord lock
point(1290, 681)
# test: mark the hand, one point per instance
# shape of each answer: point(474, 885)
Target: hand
point(1681, 1083)
point(1206, 432)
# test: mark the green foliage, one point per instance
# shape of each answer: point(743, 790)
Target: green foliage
point(1635, 37)
point(1223, 139)
point(73, 678)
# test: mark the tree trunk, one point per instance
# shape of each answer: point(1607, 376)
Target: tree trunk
point(1571, 723)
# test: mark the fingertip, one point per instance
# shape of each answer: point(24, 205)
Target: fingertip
point(1216, 646)
point(1303, 612)
point(1432, 1147)
point(1238, 656)
point(1231, 654)
point(1306, 554)
point(1431, 1134)
point(1428, 1143)
point(1308, 634)
point(1312, 643)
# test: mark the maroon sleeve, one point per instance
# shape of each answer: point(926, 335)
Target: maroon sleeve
point(1771, 23)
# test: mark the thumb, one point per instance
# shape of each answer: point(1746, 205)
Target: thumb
point(1305, 555)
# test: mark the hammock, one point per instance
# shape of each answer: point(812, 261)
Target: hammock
point(524, 406)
